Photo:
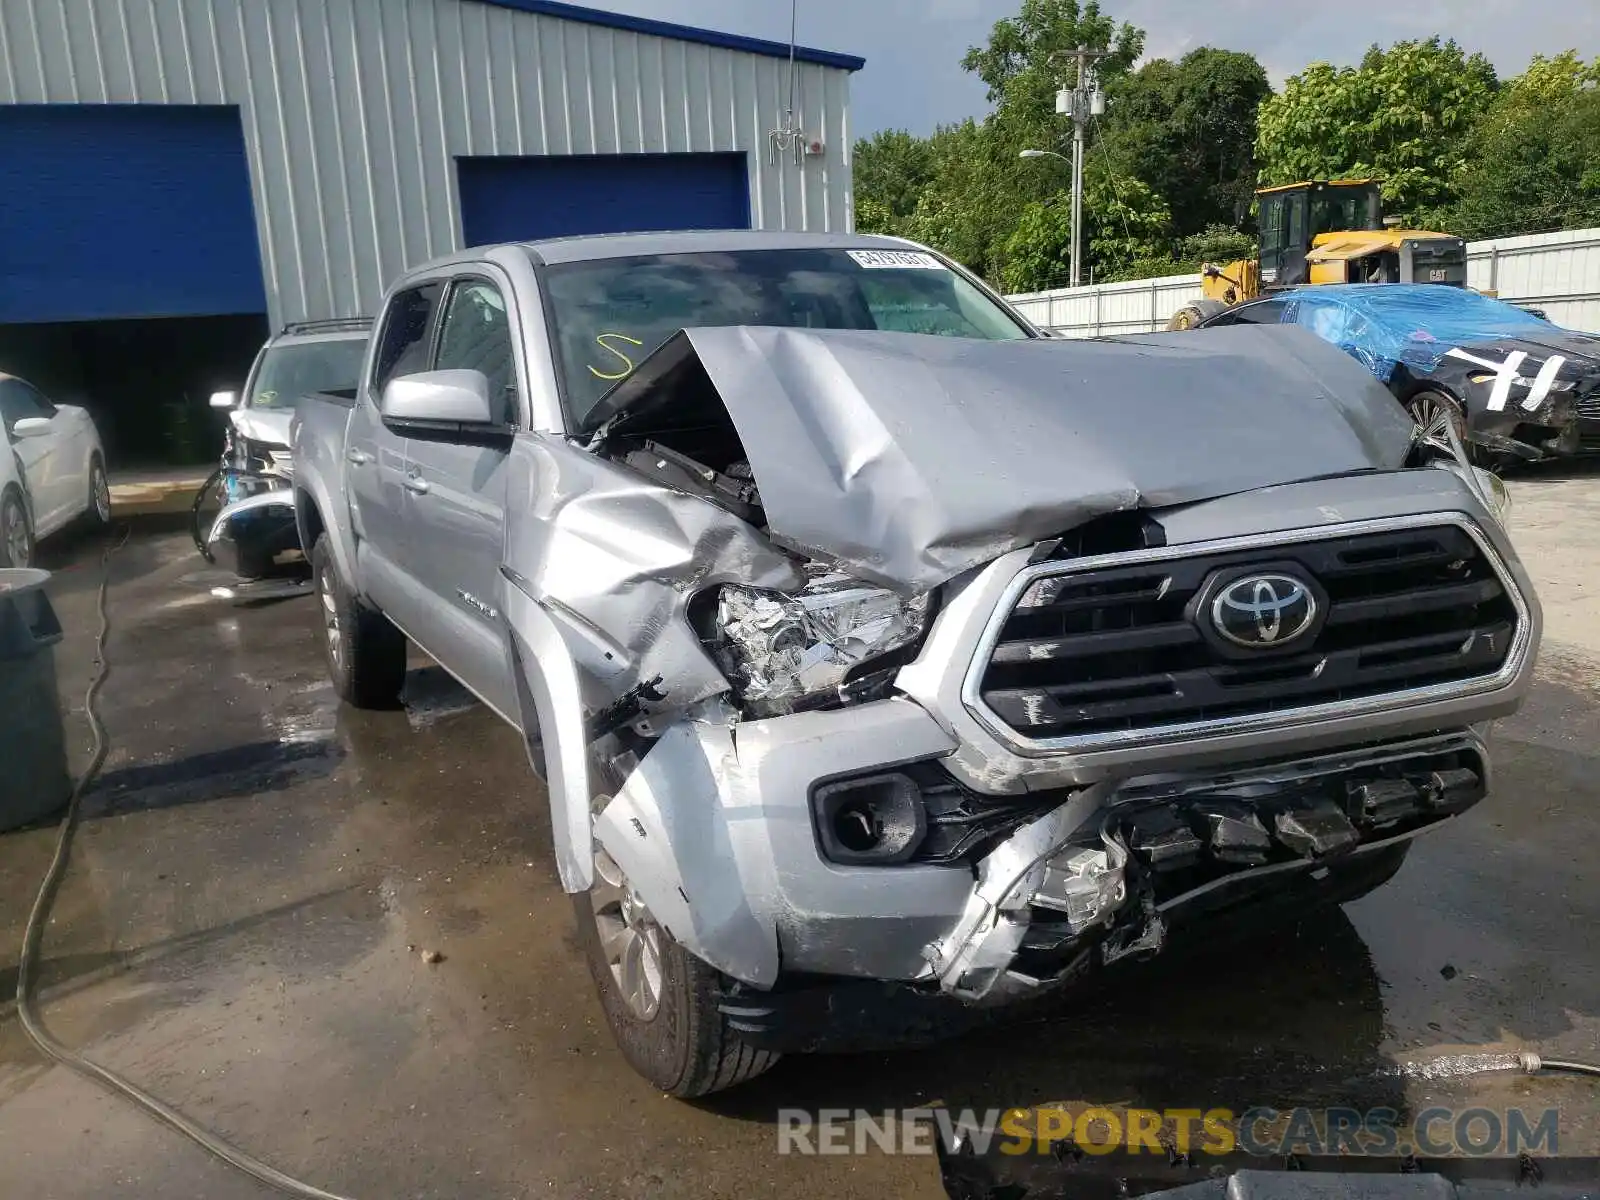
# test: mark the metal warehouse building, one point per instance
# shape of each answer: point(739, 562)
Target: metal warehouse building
point(176, 175)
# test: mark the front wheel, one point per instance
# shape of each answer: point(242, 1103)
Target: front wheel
point(659, 1000)
point(366, 654)
point(16, 532)
point(97, 515)
point(1437, 412)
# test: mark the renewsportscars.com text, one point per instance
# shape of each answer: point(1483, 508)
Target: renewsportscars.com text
point(1262, 1131)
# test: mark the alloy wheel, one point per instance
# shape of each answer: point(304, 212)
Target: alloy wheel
point(100, 491)
point(1437, 414)
point(330, 618)
point(629, 938)
point(18, 543)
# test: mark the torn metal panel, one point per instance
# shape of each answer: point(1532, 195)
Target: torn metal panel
point(269, 426)
point(668, 829)
point(909, 459)
point(550, 701)
point(727, 859)
point(615, 559)
point(973, 958)
point(247, 535)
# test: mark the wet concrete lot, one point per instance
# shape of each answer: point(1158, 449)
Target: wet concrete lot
point(260, 870)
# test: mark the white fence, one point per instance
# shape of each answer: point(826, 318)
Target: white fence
point(1558, 272)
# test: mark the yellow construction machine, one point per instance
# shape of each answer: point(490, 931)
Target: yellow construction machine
point(1326, 231)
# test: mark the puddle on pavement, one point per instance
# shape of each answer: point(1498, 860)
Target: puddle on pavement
point(247, 770)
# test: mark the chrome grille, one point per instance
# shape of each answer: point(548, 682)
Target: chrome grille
point(1120, 648)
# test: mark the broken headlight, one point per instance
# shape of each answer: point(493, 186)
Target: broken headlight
point(786, 651)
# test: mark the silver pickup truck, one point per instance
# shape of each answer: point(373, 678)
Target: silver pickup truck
point(884, 660)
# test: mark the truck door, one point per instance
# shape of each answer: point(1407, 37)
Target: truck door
point(376, 456)
point(456, 496)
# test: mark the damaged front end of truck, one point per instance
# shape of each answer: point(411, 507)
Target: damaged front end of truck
point(961, 666)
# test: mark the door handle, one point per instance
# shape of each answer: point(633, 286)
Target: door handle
point(417, 484)
point(357, 458)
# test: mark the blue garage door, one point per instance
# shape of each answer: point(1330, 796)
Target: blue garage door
point(524, 199)
point(125, 210)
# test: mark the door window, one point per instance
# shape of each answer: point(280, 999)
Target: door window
point(1268, 312)
point(475, 335)
point(1297, 223)
point(1272, 222)
point(404, 347)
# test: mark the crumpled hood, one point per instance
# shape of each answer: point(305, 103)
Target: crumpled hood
point(909, 459)
point(269, 426)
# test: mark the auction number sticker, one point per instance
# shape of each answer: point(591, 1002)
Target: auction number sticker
point(890, 260)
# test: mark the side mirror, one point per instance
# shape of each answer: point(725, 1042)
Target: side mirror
point(459, 397)
point(224, 399)
point(28, 427)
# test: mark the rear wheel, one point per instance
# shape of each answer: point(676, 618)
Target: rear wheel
point(661, 1002)
point(97, 514)
point(366, 654)
point(16, 532)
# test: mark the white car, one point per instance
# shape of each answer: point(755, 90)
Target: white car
point(52, 470)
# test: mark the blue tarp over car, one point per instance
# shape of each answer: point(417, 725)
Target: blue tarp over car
point(1382, 325)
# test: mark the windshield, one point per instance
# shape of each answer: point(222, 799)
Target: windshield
point(1343, 209)
point(611, 314)
point(300, 368)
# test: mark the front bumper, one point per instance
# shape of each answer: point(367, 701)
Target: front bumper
point(718, 827)
point(248, 535)
point(743, 883)
point(1551, 431)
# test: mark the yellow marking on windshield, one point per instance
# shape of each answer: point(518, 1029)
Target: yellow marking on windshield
point(627, 363)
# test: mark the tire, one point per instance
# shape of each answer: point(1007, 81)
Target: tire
point(1428, 407)
point(1191, 315)
point(366, 654)
point(16, 531)
point(684, 1046)
point(97, 515)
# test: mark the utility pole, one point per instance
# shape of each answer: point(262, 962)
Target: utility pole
point(1080, 103)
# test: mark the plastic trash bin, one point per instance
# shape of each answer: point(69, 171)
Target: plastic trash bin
point(33, 750)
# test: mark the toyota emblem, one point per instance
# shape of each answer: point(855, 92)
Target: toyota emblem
point(1264, 612)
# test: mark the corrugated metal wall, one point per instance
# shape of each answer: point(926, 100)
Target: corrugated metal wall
point(354, 110)
point(1558, 272)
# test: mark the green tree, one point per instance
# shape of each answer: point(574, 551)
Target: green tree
point(1403, 115)
point(1039, 250)
point(1125, 223)
point(1188, 130)
point(966, 190)
point(1027, 57)
point(1532, 162)
point(971, 204)
point(1216, 244)
point(891, 169)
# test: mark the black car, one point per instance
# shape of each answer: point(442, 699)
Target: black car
point(1513, 385)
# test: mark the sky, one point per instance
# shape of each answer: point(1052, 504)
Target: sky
point(913, 78)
